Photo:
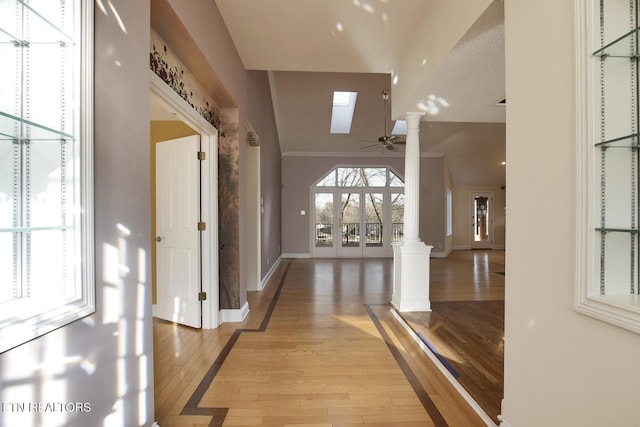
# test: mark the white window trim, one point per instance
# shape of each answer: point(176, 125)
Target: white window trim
point(45, 321)
point(619, 310)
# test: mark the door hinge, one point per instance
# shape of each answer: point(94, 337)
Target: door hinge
point(202, 296)
point(202, 226)
point(202, 155)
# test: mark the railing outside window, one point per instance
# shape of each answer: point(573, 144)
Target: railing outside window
point(351, 233)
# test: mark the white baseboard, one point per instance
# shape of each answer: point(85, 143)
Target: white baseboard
point(441, 254)
point(267, 276)
point(468, 248)
point(299, 256)
point(234, 314)
point(461, 248)
point(503, 423)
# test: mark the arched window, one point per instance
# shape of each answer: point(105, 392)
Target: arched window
point(358, 212)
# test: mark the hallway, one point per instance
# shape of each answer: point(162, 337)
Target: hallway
point(320, 347)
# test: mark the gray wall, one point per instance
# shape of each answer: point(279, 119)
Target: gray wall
point(106, 358)
point(299, 173)
point(261, 117)
point(432, 203)
point(252, 99)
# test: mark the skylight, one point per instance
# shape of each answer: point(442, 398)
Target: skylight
point(342, 112)
point(399, 128)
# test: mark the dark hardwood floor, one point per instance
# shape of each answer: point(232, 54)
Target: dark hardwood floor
point(466, 324)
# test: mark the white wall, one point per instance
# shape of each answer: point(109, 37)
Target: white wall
point(105, 359)
point(561, 368)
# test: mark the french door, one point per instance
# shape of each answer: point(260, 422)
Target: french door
point(353, 223)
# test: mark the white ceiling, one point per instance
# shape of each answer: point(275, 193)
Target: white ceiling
point(312, 48)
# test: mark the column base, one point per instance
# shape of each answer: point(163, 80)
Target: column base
point(411, 261)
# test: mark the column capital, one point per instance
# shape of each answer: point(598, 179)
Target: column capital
point(413, 118)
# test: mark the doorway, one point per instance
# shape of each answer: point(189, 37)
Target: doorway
point(482, 220)
point(177, 235)
point(166, 99)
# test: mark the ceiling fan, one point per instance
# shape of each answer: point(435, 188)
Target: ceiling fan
point(386, 141)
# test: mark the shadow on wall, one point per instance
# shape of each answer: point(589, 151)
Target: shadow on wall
point(47, 381)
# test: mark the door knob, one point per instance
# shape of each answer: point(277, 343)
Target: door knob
point(158, 239)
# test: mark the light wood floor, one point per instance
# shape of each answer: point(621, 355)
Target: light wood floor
point(320, 347)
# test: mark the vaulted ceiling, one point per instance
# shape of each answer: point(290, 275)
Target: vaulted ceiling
point(441, 57)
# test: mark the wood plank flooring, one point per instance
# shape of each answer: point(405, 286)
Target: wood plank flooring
point(466, 324)
point(320, 347)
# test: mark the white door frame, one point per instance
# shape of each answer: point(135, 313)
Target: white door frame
point(254, 206)
point(171, 101)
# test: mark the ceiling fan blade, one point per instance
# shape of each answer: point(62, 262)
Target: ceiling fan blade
point(389, 146)
point(400, 142)
point(369, 146)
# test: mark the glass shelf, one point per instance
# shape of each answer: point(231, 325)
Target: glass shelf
point(618, 230)
point(41, 27)
point(627, 141)
point(12, 127)
point(620, 48)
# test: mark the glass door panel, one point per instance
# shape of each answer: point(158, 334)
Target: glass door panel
point(373, 219)
point(482, 233)
point(350, 221)
point(376, 224)
point(397, 216)
point(323, 224)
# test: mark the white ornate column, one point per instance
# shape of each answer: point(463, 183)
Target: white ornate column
point(411, 255)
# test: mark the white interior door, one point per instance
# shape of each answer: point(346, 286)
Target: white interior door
point(177, 237)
